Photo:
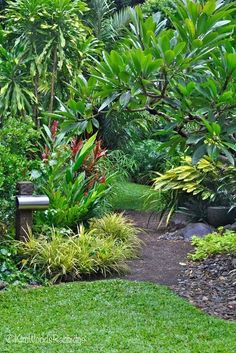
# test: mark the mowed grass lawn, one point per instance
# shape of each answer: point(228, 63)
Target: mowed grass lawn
point(131, 196)
point(109, 316)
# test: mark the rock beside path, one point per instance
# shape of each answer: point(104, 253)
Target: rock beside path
point(186, 233)
point(198, 229)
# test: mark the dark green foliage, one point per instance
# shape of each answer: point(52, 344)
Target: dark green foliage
point(119, 165)
point(107, 21)
point(20, 136)
point(98, 17)
point(123, 3)
point(2, 4)
point(118, 129)
point(17, 145)
point(148, 159)
point(13, 168)
point(150, 7)
point(10, 267)
point(193, 207)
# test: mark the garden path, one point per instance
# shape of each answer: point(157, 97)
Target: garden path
point(207, 285)
point(161, 261)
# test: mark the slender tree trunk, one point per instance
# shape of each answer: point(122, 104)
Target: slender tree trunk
point(36, 104)
point(53, 82)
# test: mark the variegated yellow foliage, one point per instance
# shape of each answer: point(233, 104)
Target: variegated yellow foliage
point(191, 178)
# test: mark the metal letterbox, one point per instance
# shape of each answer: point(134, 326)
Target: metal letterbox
point(26, 203)
point(31, 202)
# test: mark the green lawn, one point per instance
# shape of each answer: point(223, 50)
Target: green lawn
point(131, 196)
point(109, 316)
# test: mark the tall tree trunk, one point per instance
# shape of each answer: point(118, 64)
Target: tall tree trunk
point(36, 104)
point(53, 82)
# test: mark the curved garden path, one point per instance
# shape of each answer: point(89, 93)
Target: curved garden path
point(207, 285)
point(161, 261)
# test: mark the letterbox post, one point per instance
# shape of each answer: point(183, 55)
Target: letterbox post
point(24, 218)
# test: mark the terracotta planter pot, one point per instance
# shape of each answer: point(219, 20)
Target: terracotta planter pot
point(220, 215)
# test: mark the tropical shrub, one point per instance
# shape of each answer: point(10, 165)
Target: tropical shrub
point(220, 242)
point(13, 168)
point(10, 267)
point(21, 137)
point(204, 179)
point(17, 145)
point(147, 72)
point(70, 176)
point(195, 179)
point(153, 6)
point(148, 158)
point(194, 187)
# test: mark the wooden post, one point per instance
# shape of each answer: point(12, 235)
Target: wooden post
point(24, 218)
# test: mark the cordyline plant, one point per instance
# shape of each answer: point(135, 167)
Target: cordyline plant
point(69, 174)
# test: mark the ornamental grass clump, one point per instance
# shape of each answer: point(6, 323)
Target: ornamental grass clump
point(100, 250)
point(119, 228)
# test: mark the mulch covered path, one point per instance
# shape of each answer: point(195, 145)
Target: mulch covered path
point(209, 284)
point(161, 261)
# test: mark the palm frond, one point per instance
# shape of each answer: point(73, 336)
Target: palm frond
point(101, 10)
point(118, 21)
point(106, 22)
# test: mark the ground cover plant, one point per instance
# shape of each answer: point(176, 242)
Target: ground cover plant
point(12, 274)
point(220, 242)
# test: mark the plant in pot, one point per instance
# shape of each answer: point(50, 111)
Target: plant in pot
point(222, 208)
point(212, 183)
